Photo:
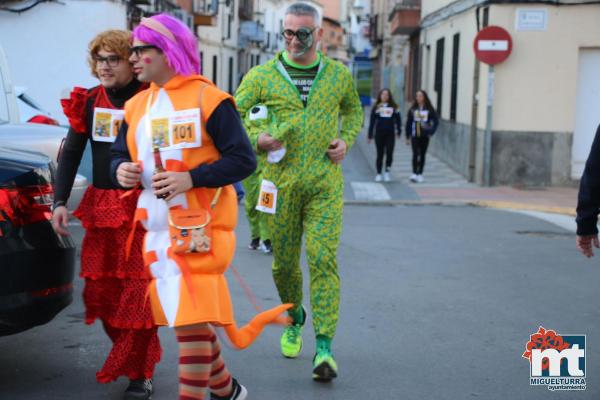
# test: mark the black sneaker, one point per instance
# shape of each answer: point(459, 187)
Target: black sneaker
point(267, 247)
point(254, 244)
point(238, 392)
point(324, 366)
point(139, 389)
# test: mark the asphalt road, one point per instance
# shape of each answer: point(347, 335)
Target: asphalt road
point(437, 303)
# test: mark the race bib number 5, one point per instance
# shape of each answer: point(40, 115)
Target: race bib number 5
point(267, 199)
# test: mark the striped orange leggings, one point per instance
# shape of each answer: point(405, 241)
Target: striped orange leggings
point(200, 363)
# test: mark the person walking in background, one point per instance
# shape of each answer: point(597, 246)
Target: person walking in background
point(385, 124)
point(239, 191)
point(115, 287)
point(421, 123)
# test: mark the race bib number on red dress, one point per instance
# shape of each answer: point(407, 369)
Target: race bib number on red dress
point(106, 124)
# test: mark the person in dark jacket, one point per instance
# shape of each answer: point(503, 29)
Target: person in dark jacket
point(385, 123)
point(588, 202)
point(421, 124)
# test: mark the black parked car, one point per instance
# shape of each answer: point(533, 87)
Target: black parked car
point(36, 265)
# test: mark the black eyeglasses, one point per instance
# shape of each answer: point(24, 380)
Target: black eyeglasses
point(138, 50)
point(111, 61)
point(302, 34)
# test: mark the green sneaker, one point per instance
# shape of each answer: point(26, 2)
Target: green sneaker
point(291, 340)
point(324, 366)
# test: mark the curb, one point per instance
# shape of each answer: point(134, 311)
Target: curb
point(500, 205)
point(526, 207)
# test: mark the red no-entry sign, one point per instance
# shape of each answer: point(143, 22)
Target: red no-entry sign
point(492, 45)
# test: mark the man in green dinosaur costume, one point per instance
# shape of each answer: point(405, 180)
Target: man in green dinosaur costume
point(307, 95)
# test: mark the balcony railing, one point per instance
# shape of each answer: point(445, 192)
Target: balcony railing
point(405, 18)
point(251, 32)
point(406, 4)
point(206, 7)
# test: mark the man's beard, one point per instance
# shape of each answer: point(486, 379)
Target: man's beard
point(306, 46)
point(299, 53)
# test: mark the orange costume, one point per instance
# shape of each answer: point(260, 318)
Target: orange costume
point(187, 288)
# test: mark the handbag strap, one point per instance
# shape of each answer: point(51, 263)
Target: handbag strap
point(208, 218)
point(215, 199)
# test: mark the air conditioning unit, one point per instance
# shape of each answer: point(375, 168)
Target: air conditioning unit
point(184, 17)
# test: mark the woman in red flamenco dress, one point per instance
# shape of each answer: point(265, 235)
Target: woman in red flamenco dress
point(115, 285)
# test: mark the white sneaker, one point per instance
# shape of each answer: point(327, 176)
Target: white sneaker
point(378, 178)
point(386, 177)
point(266, 247)
point(238, 392)
point(413, 178)
point(420, 178)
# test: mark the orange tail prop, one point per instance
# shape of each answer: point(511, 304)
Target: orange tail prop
point(243, 337)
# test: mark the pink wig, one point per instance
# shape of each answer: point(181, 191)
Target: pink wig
point(182, 54)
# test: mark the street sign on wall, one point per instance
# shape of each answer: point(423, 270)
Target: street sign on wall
point(492, 45)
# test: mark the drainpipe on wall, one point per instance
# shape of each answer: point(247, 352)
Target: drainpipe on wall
point(487, 147)
point(474, 112)
point(475, 107)
point(424, 59)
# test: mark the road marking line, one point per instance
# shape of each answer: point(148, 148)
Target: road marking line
point(370, 191)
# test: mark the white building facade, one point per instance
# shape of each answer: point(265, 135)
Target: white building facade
point(47, 42)
point(545, 95)
point(263, 34)
point(219, 47)
point(47, 46)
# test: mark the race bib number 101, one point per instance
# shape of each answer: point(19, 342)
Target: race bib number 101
point(185, 128)
point(181, 129)
point(184, 133)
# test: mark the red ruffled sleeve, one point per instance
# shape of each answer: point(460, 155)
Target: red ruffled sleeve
point(74, 109)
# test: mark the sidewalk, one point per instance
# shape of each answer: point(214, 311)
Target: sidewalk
point(445, 186)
